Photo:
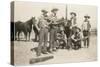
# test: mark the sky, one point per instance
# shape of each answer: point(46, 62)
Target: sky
point(23, 11)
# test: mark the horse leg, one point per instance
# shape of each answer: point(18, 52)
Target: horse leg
point(29, 36)
point(26, 36)
point(18, 35)
point(36, 37)
point(15, 38)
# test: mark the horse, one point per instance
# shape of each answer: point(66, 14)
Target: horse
point(25, 27)
point(67, 30)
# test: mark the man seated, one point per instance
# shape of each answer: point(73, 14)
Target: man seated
point(61, 42)
point(76, 39)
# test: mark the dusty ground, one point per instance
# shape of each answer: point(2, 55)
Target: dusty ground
point(23, 53)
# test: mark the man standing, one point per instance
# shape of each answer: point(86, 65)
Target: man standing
point(73, 18)
point(86, 30)
point(53, 30)
point(43, 33)
point(73, 21)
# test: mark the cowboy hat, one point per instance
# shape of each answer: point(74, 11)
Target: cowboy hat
point(86, 16)
point(44, 11)
point(73, 13)
point(54, 9)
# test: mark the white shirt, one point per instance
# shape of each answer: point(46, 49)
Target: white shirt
point(73, 20)
point(86, 25)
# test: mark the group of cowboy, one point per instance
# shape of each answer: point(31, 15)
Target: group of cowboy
point(48, 24)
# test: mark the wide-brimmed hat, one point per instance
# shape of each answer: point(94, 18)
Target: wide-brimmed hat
point(86, 16)
point(77, 29)
point(44, 11)
point(54, 9)
point(73, 13)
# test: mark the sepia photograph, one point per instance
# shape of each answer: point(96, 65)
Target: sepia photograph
point(52, 33)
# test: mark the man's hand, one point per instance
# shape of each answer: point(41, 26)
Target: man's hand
point(70, 27)
point(75, 40)
point(38, 29)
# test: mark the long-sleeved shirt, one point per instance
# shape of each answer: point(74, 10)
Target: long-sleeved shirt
point(86, 25)
point(73, 20)
point(42, 22)
point(53, 18)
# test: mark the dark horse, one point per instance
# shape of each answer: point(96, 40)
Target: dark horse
point(25, 27)
point(67, 28)
point(68, 33)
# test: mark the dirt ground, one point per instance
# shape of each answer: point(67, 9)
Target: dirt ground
point(23, 53)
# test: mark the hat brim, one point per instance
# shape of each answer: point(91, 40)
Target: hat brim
point(44, 11)
point(79, 29)
point(87, 17)
point(54, 10)
point(73, 13)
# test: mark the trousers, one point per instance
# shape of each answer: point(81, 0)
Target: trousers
point(43, 40)
point(86, 41)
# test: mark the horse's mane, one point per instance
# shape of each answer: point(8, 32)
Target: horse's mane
point(29, 21)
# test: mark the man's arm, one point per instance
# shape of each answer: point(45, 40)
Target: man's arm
point(38, 24)
point(72, 37)
point(89, 26)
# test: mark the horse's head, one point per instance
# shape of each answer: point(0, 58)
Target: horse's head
point(33, 20)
